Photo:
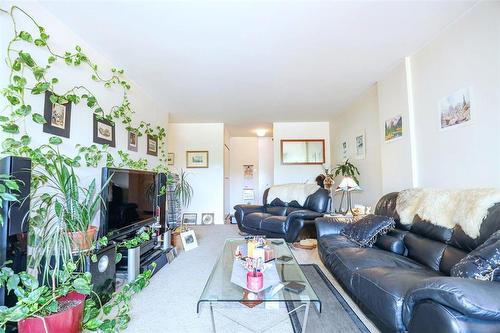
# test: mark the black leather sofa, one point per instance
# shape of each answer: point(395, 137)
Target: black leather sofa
point(279, 219)
point(403, 282)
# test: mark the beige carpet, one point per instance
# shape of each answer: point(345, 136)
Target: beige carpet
point(168, 304)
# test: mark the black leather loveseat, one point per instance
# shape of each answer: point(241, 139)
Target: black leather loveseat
point(403, 282)
point(279, 219)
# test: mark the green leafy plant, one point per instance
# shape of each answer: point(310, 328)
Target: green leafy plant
point(59, 206)
point(183, 190)
point(346, 169)
point(9, 188)
point(30, 75)
point(38, 300)
point(102, 318)
point(135, 241)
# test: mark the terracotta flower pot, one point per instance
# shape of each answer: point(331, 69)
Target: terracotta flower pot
point(81, 241)
point(68, 321)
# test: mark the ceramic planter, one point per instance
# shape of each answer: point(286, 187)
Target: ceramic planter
point(68, 321)
point(81, 241)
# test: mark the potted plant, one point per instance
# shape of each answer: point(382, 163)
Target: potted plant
point(40, 308)
point(183, 192)
point(346, 169)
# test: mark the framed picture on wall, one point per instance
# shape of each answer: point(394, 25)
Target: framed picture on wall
point(360, 145)
point(57, 117)
point(104, 131)
point(345, 150)
point(308, 151)
point(132, 141)
point(197, 159)
point(455, 109)
point(152, 148)
point(170, 159)
point(393, 128)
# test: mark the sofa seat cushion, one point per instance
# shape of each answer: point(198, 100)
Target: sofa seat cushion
point(382, 290)
point(254, 220)
point(274, 224)
point(330, 243)
point(345, 261)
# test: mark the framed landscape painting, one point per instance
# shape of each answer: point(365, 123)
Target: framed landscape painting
point(57, 117)
point(455, 109)
point(104, 131)
point(393, 128)
point(197, 159)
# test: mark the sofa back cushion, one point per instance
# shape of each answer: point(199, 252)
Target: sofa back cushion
point(318, 202)
point(426, 251)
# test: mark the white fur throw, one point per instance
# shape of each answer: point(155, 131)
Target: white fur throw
point(290, 192)
point(447, 208)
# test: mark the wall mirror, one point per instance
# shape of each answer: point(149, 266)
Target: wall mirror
point(307, 151)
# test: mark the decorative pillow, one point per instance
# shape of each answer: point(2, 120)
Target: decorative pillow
point(483, 263)
point(364, 232)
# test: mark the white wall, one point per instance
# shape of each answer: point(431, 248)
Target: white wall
point(61, 39)
point(299, 130)
point(266, 165)
point(244, 151)
point(207, 183)
point(466, 55)
point(361, 116)
point(395, 155)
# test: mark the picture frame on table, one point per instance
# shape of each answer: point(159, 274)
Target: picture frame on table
point(104, 131)
point(57, 117)
point(189, 241)
point(189, 218)
point(207, 218)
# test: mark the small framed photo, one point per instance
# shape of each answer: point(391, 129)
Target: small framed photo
point(132, 141)
point(152, 148)
point(189, 241)
point(393, 128)
point(189, 218)
point(197, 159)
point(345, 150)
point(207, 218)
point(57, 117)
point(104, 131)
point(170, 159)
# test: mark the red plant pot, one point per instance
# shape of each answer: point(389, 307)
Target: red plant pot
point(68, 321)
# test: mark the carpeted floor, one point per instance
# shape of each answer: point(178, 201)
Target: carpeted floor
point(168, 304)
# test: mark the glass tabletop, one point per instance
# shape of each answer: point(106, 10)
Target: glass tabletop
point(219, 287)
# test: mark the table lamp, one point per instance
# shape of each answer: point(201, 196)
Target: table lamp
point(347, 185)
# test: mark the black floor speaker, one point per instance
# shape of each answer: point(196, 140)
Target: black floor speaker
point(14, 230)
point(104, 272)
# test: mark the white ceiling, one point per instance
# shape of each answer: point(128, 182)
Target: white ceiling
point(249, 63)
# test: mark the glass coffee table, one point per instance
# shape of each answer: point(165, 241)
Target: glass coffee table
point(220, 291)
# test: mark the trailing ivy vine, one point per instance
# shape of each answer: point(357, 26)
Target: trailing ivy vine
point(29, 76)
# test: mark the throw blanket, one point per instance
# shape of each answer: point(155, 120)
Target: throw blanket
point(290, 192)
point(447, 208)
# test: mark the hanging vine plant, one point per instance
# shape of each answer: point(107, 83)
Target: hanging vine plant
point(30, 76)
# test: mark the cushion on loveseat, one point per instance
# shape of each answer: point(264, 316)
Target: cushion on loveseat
point(482, 263)
point(364, 232)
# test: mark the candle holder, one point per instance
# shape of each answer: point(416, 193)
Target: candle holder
point(255, 281)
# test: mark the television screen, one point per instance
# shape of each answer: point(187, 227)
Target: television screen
point(130, 199)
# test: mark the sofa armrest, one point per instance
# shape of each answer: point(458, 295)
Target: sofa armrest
point(242, 210)
point(473, 298)
point(328, 226)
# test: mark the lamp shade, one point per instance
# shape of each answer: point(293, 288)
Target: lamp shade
point(348, 184)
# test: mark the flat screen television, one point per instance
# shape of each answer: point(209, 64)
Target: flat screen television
point(130, 201)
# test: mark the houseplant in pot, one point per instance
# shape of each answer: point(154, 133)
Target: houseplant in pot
point(39, 307)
